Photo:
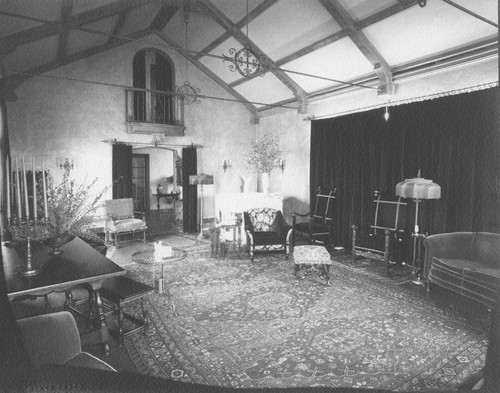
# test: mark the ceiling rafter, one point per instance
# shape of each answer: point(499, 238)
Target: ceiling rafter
point(66, 11)
point(47, 29)
point(225, 22)
point(264, 6)
point(18, 78)
point(380, 66)
point(120, 22)
point(166, 12)
point(370, 20)
point(174, 45)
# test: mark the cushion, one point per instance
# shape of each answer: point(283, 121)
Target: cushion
point(311, 255)
point(262, 219)
point(119, 207)
point(127, 225)
point(315, 227)
point(486, 249)
point(483, 276)
point(268, 238)
point(85, 359)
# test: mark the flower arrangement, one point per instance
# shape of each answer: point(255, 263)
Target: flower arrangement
point(264, 154)
point(69, 208)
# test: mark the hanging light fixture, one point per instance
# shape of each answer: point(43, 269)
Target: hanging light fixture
point(386, 114)
point(188, 92)
point(245, 60)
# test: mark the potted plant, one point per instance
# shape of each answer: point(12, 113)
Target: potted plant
point(264, 155)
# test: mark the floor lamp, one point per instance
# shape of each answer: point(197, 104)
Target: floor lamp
point(201, 179)
point(417, 189)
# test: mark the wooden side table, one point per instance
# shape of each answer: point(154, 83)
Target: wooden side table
point(222, 236)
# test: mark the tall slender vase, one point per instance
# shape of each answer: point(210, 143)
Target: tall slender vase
point(264, 179)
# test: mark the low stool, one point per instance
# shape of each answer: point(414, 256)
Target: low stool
point(117, 291)
point(312, 255)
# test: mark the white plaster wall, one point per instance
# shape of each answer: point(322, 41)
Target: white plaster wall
point(65, 116)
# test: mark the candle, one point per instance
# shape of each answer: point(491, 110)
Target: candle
point(26, 204)
point(7, 165)
point(18, 192)
point(44, 192)
point(34, 187)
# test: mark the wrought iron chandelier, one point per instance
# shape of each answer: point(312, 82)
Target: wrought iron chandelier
point(189, 93)
point(245, 60)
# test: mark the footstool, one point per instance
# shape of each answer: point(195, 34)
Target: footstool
point(312, 255)
point(117, 291)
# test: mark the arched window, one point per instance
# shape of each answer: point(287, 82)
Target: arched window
point(154, 76)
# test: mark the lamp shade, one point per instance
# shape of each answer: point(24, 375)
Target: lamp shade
point(418, 188)
point(201, 178)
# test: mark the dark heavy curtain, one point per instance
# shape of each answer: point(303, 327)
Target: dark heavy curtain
point(122, 171)
point(189, 192)
point(454, 141)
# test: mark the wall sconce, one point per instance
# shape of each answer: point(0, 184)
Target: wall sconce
point(65, 163)
point(226, 164)
point(281, 164)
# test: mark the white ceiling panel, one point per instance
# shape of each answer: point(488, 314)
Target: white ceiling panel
point(420, 32)
point(202, 30)
point(361, 9)
point(236, 10)
point(341, 60)
point(266, 90)
point(81, 40)
point(220, 67)
point(290, 25)
point(33, 54)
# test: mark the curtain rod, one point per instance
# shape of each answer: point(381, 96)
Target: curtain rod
point(405, 101)
point(152, 144)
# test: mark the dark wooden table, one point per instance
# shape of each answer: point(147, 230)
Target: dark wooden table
point(78, 264)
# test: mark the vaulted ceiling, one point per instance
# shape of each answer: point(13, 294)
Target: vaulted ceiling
point(308, 48)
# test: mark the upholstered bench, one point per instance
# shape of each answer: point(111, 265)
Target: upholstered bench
point(117, 291)
point(312, 255)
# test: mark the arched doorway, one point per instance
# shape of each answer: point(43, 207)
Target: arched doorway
point(153, 71)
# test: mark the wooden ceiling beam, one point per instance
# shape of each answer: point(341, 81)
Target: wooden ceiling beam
point(265, 5)
point(46, 29)
point(174, 45)
point(225, 22)
point(166, 12)
point(117, 28)
point(380, 66)
point(66, 11)
point(16, 79)
point(370, 20)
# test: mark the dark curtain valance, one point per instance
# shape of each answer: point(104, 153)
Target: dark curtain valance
point(455, 141)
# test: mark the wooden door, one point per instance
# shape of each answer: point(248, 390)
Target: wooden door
point(140, 182)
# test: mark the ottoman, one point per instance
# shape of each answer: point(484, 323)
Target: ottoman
point(312, 255)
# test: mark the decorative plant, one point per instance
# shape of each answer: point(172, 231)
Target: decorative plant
point(69, 208)
point(264, 154)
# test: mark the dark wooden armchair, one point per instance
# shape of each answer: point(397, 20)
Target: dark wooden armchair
point(383, 238)
point(317, 228)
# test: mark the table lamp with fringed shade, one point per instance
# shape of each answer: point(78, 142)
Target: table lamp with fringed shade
point(417, 189)
point(201, 179)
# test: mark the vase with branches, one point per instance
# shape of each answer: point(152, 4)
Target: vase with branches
point(70, 208)
point(263, 156)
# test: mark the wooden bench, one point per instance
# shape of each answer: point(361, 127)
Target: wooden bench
point(116, 292)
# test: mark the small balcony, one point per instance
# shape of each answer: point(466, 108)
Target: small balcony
point(154, 112)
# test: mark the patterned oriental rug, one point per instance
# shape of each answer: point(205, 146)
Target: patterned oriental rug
point(239, 324)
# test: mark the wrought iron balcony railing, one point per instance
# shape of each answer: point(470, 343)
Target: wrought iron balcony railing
point(154, 106)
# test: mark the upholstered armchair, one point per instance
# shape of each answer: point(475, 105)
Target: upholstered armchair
point(121, 220)
point(267, 231)
point(54, 339)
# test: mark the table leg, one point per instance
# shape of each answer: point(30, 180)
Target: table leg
point(239, 242)
point(101, 320)
point(326, 269)
point(296, 269)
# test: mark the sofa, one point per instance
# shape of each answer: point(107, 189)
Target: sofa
point(467, 263)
